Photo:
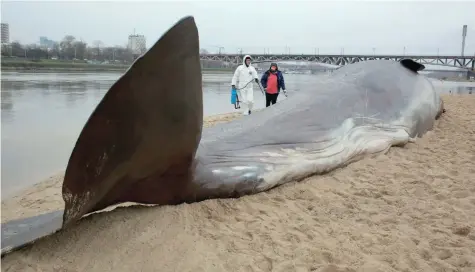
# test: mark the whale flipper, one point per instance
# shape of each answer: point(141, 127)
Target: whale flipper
point(140, 140)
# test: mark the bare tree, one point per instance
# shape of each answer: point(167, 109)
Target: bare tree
point(79, 50)
point(6, 49)
point(66, 47)
point(69, 48)
point(98, 45)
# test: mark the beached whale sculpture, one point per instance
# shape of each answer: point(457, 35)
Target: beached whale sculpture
point(144, 142)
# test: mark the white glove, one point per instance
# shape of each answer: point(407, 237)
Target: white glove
point(285, 92)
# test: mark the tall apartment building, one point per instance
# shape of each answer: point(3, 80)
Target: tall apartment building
point(137, 44)
point(5, 33)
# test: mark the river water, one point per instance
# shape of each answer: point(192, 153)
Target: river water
point(43, 113)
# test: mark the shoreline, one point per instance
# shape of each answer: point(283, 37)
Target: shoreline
point(58, 66)
point(92, 69)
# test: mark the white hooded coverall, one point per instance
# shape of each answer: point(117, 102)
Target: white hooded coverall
point(245, 76)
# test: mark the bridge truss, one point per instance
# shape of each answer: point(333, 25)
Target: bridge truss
point(464, 62)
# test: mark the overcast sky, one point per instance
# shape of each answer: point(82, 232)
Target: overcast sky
point(422, 27)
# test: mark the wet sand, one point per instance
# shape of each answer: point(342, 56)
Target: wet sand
point(412, 209)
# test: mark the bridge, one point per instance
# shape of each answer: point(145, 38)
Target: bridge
point(465, 62)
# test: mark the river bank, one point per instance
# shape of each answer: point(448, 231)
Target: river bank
point(63, 66)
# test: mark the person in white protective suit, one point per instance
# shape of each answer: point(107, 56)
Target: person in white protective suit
point(242, 81)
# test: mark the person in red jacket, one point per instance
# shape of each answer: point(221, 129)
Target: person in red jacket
point(272, 81)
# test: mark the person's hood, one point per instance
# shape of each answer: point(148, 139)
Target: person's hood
point(276, 67)
point(244, 59)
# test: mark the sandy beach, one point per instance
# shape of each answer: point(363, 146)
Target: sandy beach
point(412, 209)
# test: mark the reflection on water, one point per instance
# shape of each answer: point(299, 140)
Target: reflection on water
point(43, 114)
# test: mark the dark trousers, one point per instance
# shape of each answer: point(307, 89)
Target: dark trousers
point(271, 99)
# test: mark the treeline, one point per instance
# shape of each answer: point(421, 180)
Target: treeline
point(69, 49)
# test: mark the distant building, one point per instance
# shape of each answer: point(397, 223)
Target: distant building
point(5, 33)
point(46, 43)
point(137, 44)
